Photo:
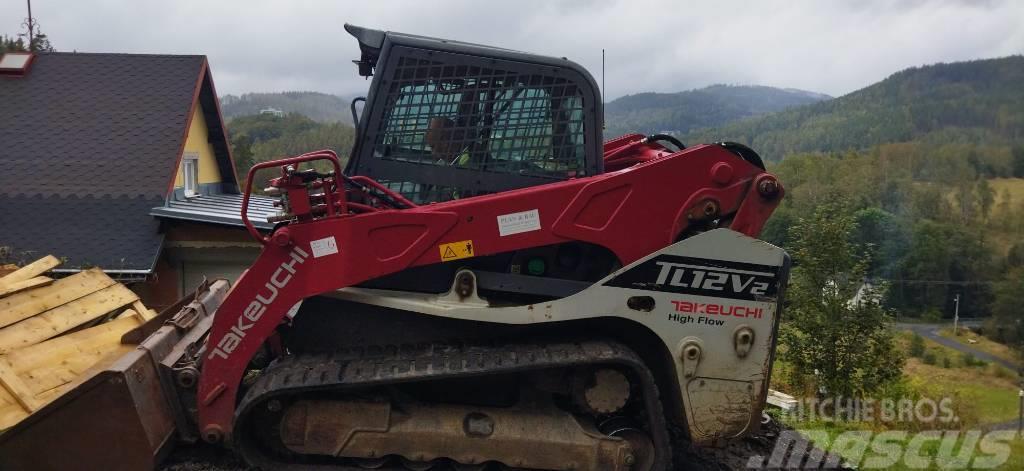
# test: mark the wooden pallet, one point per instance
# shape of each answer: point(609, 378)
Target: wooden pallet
point(54, 332)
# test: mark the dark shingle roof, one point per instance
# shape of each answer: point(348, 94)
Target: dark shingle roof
point(90, 231)
point(88, 146)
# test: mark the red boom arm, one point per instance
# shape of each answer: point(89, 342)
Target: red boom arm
point(632, 212)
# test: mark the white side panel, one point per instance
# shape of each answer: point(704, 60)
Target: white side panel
point(704, 288)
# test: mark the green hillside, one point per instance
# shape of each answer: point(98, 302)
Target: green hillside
point(979, 101)
point(262, 137)
point(320, 107)
point(682, 112)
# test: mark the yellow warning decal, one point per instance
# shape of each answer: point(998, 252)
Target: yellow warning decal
point(456, 250)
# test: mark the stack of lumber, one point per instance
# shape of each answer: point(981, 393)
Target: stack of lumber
point(53, 331)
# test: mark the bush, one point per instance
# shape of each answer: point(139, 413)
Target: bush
point(946, 363)
point(929, 358)
point(916, 345)
point(932, 315)
point(969, 360)
point(1001, 372)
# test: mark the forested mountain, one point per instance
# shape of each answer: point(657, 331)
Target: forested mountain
point(929, 162)
point(680, 113)
point(261, 137)
point(317, 106)
point(974, 102)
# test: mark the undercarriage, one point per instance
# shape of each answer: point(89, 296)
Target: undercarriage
point(540, 405)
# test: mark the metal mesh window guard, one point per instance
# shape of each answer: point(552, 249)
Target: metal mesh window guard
point(481, 119)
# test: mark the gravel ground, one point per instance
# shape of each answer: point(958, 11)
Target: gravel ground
point(735, 456)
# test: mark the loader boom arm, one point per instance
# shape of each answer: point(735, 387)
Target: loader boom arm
point(322, 251)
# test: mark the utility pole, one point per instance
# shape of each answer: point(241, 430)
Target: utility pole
point(956, 314)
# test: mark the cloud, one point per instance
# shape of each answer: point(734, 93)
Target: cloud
point(829, 47)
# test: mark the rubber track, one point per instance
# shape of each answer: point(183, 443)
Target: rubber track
point(375, 366)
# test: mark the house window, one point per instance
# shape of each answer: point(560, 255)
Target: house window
point(190, 173)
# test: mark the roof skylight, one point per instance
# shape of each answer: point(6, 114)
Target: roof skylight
point(15, 63)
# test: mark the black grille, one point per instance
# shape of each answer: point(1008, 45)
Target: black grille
point(440, 115)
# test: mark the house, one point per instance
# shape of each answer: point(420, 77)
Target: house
point(273, 112)
point(121, 161)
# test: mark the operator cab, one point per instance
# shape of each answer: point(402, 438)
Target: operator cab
point(445, 119)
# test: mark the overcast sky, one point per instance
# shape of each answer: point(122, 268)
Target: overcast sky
point(828, 47)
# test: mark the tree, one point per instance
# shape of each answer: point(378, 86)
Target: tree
point(967, 201)
point(1006, 310)
point(883, 236)
point(1018, 162)
point(835, 325)
point(41, 43)
point(1015, 257)
point(259, 138)
point(241, 152)
point(986, 197)
point(1004, 210)
point(917, 346)
point(8, 43)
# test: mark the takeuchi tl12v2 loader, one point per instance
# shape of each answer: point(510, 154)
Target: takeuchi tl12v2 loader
point(486, 285)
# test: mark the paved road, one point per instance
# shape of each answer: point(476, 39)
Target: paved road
point(1008, 425)
point(931, 332)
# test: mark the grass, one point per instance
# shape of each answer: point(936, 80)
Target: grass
point(1013, 185)
point(983, 394)
point(983, 344)
point(979, 397)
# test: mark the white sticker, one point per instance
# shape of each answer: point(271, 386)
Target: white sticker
point(517, 223)
point(325, 246)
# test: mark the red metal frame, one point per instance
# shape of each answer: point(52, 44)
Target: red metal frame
point(632, 212)
point(301, 192)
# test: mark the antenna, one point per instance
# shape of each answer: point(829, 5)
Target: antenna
point(604, 124)
point(29, 24)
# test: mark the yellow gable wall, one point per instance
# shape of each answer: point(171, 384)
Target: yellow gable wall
point(199, 141)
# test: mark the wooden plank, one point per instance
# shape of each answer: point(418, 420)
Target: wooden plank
point(781, 400)
point(10, 411)
point(31, 270)
point(143, 312)
point(64, 318)
point(62, 378)
point(17, 307)
point(70, 370)
point(13, 384)
point(7, 269)
point(19, 286)
point(82, 343)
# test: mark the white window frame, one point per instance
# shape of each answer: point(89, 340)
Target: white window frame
point(190, 173)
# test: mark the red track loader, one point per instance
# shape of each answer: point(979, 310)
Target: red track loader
point(485, 285)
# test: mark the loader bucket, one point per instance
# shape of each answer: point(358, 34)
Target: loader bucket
point(127, 415)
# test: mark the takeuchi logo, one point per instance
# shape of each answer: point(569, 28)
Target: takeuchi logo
point(258, 306)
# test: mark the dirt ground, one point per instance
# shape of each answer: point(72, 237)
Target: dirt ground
point(733, 457)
